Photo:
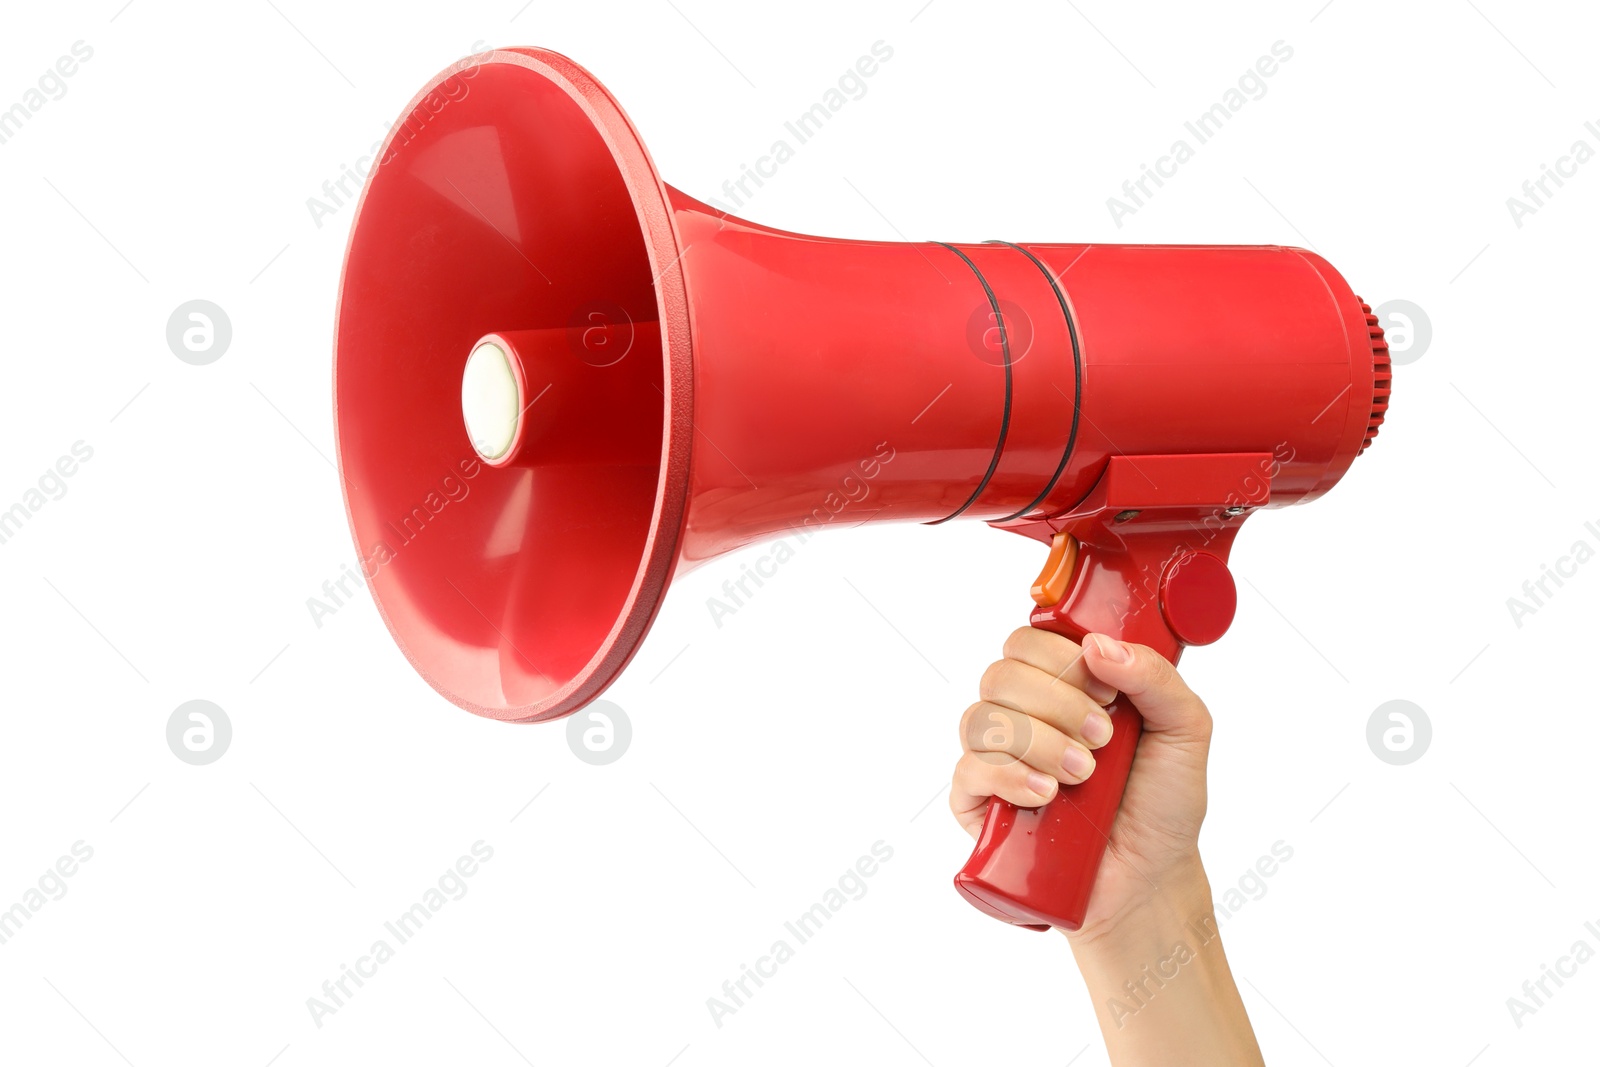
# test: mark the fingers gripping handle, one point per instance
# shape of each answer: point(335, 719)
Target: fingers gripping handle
point(1036, 867)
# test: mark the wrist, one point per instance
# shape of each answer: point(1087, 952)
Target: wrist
point(1159, 979)
point(1179, 895)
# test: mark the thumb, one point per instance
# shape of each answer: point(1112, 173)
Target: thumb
point(1154, 686)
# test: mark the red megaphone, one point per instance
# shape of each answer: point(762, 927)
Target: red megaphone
point(559, 381)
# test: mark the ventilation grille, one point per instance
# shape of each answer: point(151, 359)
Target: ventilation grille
point(1381, 375)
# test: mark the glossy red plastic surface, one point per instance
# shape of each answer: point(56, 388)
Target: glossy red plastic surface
point(1154, 537)
point(698, 383)
point(1197, 597)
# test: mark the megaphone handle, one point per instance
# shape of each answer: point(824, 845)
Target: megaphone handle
point(1035, 867)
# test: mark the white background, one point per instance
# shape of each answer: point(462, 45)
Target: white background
point(770, 753)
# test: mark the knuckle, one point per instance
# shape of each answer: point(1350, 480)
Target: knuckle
point(992, 728)
point(1158, 672)
point(968, 719)
point(957, 789)
point(999, 678)
point(974, 777)
point(988, 681)
point(955, 809)
point(1161, 674)
point(962, 778)
point(1018, 640)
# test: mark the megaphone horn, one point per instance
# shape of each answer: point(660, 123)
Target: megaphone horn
point(559, 382)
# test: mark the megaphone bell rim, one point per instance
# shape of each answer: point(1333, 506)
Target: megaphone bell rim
point(648, 195)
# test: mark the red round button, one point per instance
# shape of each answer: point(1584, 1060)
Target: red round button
point(1198, 597)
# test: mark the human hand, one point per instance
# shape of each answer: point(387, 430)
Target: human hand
point(1034, 729)
point(1036, 726)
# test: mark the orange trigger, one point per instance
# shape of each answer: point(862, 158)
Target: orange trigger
point(1051, 585)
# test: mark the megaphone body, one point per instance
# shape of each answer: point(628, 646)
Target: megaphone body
point(651, 382)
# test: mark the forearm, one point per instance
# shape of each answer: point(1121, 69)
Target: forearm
point(1162, 990)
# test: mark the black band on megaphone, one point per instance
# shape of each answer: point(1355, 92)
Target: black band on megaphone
point(1005, 417)
point(1077, 389)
